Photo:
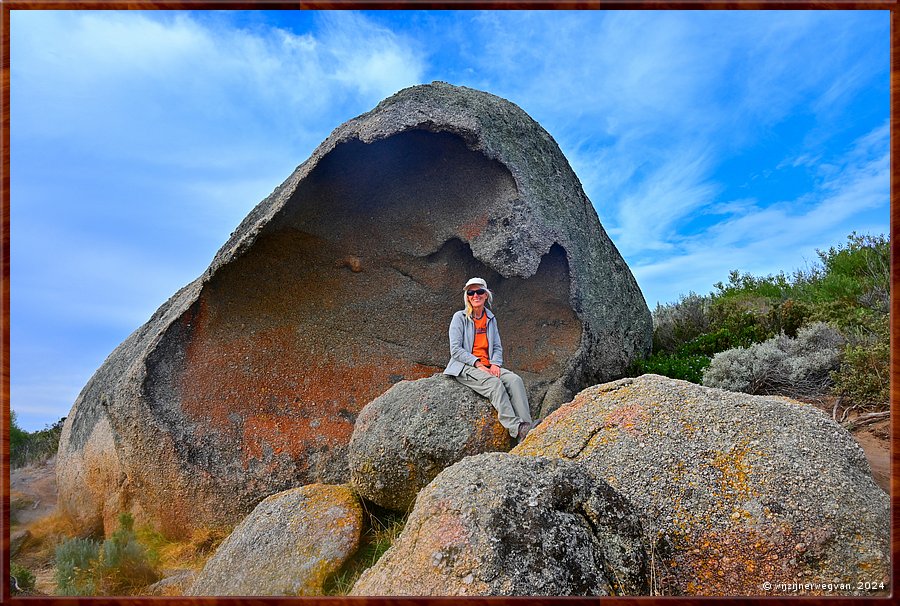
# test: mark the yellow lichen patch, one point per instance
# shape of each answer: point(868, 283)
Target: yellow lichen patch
point(734, 470)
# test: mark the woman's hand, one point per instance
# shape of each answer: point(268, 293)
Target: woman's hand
point(493, 369)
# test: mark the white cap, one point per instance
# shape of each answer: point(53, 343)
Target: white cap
point(479, 281)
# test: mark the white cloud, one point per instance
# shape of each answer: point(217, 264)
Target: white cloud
point(167, 88)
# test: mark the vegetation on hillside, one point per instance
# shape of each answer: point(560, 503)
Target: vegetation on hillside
point(32, 448)
point(816, 333)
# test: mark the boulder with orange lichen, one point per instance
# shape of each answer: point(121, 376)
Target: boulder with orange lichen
point(404, 438)
point(746, 490)
point(342, 282)
point(287, 546)
point(497, 524)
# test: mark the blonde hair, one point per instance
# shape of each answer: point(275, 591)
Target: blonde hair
point(490, 300)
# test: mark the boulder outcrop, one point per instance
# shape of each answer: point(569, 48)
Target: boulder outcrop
point(287, 546)
point(404, 438)
point(339, 284)
point(497, 524)
point(747, 490)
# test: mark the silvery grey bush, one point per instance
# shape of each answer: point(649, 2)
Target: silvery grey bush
point(793, 367)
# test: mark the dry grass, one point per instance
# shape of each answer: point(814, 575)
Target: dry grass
point(46, 533)
point(191, 553)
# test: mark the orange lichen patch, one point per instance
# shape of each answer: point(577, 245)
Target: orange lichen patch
point(269, 390)
point(630, 418)
point(267, 435)
point(472, 229)
point(735, 561)
point(489, 434)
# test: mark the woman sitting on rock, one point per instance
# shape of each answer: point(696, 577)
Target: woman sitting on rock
point(476, 360)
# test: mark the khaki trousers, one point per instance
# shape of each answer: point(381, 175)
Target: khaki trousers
point(507, 395)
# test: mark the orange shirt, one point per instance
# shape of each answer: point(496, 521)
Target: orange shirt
point(481, 348)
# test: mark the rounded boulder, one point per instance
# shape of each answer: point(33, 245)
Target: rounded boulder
point(500, 525)
point(406, 437)
point(752, 494)
point(343, 281)
point(288, 545)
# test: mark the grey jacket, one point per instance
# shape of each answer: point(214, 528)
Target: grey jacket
point(462, 339)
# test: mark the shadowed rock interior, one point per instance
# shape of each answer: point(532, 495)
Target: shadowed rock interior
point(349, 289)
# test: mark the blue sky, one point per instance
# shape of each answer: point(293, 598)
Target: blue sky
point(707, 141)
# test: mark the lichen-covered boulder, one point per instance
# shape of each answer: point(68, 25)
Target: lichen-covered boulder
point(748, 490)
point(287, 546)
point(404, 438)
point(343, 282)
point(497, 524)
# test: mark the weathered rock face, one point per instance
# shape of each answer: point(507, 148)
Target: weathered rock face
point(404, 438)
point(748, 489)
point(497, 524)
point(287, 546)
point(342, 282)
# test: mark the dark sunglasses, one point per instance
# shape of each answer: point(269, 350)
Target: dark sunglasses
point(480, 291)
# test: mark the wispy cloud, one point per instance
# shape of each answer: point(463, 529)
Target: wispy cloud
point(783, 235)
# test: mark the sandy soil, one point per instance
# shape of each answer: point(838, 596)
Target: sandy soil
point(34, 487)
point(875, 440)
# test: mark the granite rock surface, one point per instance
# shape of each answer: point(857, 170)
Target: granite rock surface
point(404, 438)
point(287, 546)
point(342, 282)
point(744, 490)
point(500, 525)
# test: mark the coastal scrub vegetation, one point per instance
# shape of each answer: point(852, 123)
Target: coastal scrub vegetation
point(32, 448)
point(820, 332)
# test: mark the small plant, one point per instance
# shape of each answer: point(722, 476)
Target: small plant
point(118, 566)
point(21, 579)
point(75, 559)
point(122, 565)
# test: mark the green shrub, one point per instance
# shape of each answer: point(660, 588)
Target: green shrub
point(787, 317)
point(118, 566)
point(123, 565)
point(675, 366)
point(798, 367)
point(22, 580)
point(75, 559)
point(32, 448)
point(864, 376)
point(678, 322)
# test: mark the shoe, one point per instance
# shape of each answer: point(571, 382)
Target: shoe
point(536, 422)
point(524, 428)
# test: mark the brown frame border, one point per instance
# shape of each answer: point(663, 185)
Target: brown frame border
point(8, 5)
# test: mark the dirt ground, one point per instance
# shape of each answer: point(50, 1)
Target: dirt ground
point(875, 440)
point(32, 499)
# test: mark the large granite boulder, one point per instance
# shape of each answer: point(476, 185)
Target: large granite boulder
point(287, 546)
point(498, 524)
point(404, 438)
point(340, 283)
point(747, 490)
